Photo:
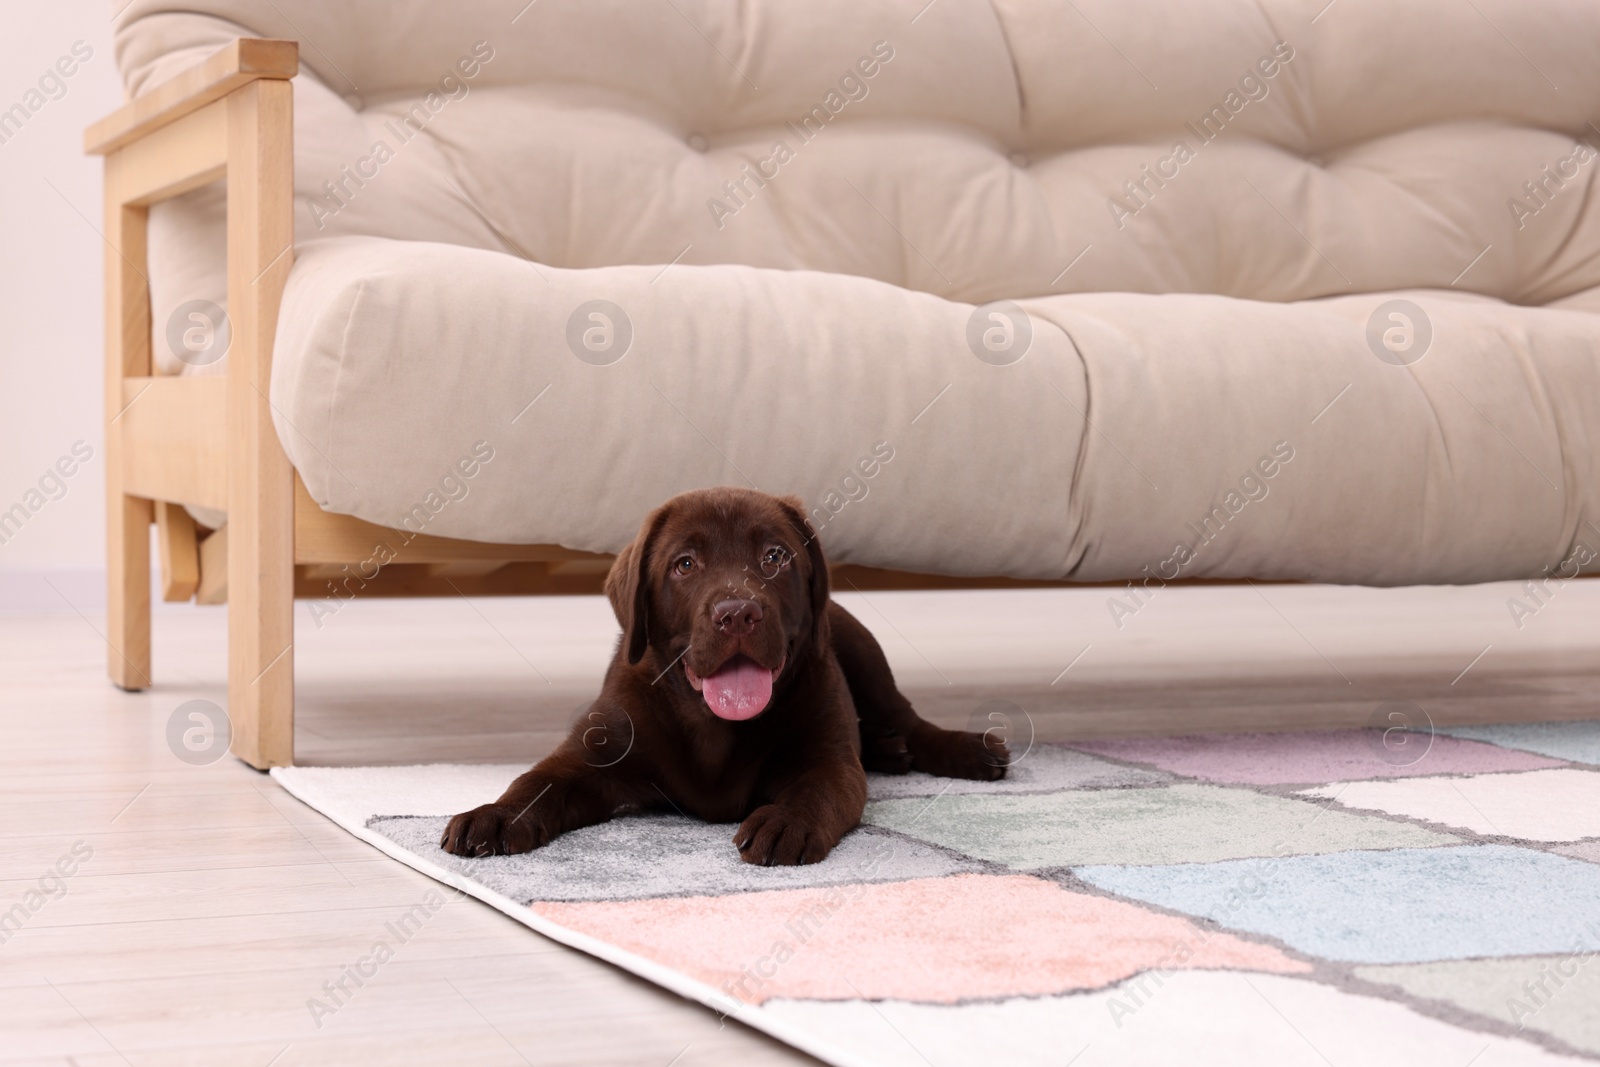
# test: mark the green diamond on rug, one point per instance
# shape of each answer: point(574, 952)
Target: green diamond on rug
point(1176, 824)
point(1557, 995)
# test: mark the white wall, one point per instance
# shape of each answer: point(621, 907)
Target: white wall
point(50, 281)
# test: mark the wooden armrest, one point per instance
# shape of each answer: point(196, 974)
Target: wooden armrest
point(234, 64)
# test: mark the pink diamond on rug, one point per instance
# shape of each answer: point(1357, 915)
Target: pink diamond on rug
point(1320, 757)
point(935, 940)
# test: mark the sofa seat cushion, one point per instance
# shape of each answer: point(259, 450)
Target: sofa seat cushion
point(1119, 434)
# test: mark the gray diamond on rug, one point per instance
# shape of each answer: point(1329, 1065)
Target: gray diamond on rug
point(1041, 769)
point(639, 856)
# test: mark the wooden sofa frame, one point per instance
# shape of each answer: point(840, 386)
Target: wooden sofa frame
point(209, 441)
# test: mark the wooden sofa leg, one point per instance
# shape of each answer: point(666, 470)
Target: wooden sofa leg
point(128, 589)
point(128, 518)
point(260, 477)
point(260, 642)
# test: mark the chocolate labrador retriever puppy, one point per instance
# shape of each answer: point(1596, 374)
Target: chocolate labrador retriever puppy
point(738, 692)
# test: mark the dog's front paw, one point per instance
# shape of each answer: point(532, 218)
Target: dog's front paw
point(960, 754)
point(779, 837)
point(494, 830)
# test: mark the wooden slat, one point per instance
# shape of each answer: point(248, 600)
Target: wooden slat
point(175, 439)
point(334, 585)
point(128, 518)
point(213, 587)
point(237, 63)
point(180, 557)
point(260, 478)
point(475, 568)
point(323, 537)
point(849, 577)
point(571, 577)
point(170, 161)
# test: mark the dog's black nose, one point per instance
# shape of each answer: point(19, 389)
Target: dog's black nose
point(736, 617)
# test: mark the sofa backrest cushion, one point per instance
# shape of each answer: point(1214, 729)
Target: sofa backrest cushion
point(977, 149)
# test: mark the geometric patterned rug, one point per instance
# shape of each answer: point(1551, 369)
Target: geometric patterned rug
point(1283, 898)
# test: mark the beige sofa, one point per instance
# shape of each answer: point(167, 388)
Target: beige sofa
point(1014, 289)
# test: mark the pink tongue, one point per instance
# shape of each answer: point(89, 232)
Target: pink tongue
point(740, 690)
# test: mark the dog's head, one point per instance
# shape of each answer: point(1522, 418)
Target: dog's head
point(728, 586)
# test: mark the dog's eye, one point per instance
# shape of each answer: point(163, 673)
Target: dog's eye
point(683, 564)
point(775, 557)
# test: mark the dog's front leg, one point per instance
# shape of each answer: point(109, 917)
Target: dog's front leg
point(561, 793)
point(807, 817)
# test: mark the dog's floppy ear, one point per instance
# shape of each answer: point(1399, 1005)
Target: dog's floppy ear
point(628, 587)
point(795, 511)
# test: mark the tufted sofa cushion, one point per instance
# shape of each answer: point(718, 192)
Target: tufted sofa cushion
point(819, 185)
point(1265, 439)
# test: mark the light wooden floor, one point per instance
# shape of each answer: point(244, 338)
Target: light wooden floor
point(214, 905)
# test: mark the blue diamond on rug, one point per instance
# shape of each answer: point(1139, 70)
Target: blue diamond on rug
point(1576, 741)
point(1401, 906)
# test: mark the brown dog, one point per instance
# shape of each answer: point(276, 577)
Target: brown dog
point(738, 691)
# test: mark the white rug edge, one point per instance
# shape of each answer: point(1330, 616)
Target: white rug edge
point(676, 981)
